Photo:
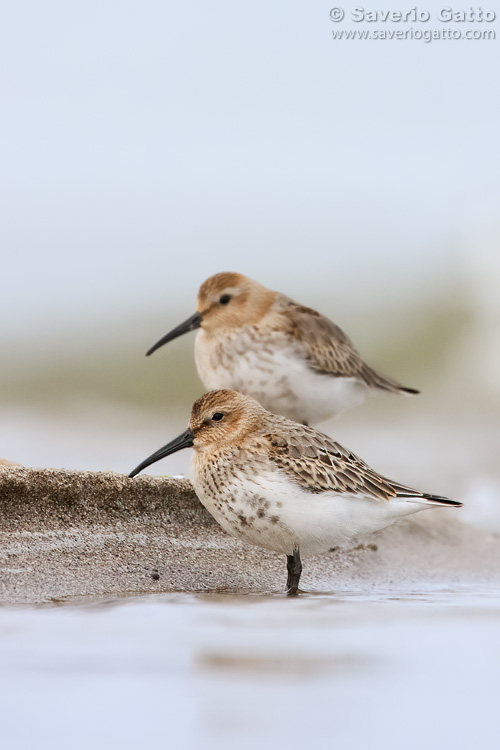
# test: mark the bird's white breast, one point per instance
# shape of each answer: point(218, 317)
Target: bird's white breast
point(266, 367)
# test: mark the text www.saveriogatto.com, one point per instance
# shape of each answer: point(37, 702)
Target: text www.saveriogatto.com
point(473, 24)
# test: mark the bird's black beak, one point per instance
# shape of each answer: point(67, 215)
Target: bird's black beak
point(183, 441)
point(189, 325)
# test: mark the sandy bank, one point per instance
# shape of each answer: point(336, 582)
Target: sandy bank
point(66, 533)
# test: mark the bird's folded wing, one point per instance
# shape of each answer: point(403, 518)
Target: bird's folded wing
point(325, 346)
point(328, 350)
point(319, 464)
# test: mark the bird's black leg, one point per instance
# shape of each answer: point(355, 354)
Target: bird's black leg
point(294, 568)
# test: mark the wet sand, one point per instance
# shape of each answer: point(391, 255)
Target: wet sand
point(72, 535)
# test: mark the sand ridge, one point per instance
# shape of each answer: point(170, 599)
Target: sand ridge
point(70, 534)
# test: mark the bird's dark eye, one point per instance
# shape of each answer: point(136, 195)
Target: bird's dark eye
point(225, 299)
point(217, 416)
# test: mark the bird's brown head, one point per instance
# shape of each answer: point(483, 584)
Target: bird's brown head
point(230, 300)
point(219, 419)
point(226, 300)
point(223, 418)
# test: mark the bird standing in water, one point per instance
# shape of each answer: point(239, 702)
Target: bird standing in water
point(283, 486)
point(291, 359)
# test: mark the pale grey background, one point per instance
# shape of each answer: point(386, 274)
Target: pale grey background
point(148, 145)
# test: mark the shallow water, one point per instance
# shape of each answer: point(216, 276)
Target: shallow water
point(225, 671)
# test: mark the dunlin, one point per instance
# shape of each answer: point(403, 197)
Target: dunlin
point(283, 486)
point(293, 360)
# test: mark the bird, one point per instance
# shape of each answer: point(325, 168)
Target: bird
point(284, 486)
point(290, 358)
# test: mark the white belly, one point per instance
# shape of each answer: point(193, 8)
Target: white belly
point(271, 512)
point(276, 376)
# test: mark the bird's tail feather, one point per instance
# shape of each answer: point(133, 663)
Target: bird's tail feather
point(438, 500)
point(409, 494)
point(377, 380)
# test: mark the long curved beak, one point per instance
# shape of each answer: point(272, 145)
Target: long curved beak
point(189, 325)
point(183, 441)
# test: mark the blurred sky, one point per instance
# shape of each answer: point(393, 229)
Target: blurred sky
point(148, 145)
